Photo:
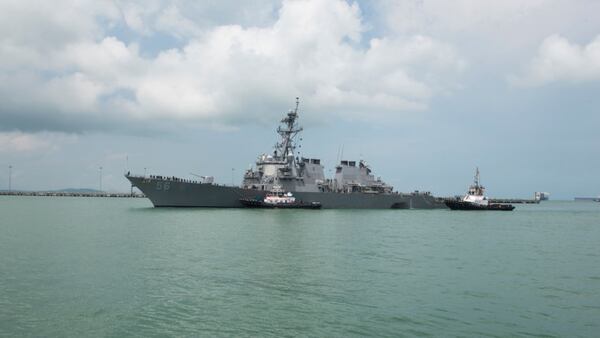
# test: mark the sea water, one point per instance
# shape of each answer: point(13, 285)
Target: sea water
point(118, 267)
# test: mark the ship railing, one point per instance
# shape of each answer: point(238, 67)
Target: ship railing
point(168, 178)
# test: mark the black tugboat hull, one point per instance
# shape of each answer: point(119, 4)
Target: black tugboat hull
point(501, 207)
point(461, 205)
point(252, 203)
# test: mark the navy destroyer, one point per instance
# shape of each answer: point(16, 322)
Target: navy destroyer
point(353, 186)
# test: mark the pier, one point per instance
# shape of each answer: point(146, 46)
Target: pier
point(71, 194)
point(500, 200)
point(514, 201)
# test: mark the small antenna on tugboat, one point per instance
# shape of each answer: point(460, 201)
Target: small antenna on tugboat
point(297, 104)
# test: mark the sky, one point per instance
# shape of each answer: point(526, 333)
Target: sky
point(423, 90)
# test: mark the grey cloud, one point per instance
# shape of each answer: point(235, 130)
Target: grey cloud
point(225, 76)
point(559, 60)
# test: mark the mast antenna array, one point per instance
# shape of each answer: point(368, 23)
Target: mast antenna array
point(288, 131)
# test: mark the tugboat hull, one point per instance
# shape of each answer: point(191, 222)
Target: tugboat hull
point(462, 205)
point(253, 203)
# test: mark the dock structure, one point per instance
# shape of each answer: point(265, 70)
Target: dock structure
point(500, 200)
point(71, 194)
point(514, 201)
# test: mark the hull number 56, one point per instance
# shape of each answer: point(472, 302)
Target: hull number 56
point(163, 186)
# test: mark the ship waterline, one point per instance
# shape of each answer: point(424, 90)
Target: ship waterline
point(354, 186)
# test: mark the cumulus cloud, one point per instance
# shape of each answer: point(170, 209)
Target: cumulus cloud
point(559, 60)
point(494, 35)
point(222, 75)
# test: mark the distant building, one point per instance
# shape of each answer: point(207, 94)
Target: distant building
point(542, 196)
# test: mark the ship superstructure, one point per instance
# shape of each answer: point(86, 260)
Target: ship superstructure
point(291, 173)
point(307, 174)
point(352, 186)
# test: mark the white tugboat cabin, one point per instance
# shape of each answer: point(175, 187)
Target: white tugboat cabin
point(277, 197)
point(476, 192)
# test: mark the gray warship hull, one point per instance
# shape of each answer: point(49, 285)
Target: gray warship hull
point(165, 192)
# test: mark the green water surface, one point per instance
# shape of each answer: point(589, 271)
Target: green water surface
point(118, 267)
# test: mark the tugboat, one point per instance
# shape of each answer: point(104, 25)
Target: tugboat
point(476, 200)
point(277, 198)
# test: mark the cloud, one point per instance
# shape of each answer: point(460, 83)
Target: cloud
point(409, 16)
point(495, 36)
point(32, 31)
point(558, 60)
point(222, 75)
point(173, 22)
point(19, 142)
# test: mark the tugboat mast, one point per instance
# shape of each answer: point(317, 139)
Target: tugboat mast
point(476, 189)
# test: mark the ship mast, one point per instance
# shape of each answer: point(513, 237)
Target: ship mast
point(288, 131)
point(476, 189)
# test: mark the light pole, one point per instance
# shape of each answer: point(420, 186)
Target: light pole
point(145, 171)
point(100, 169)
point(9, 178)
